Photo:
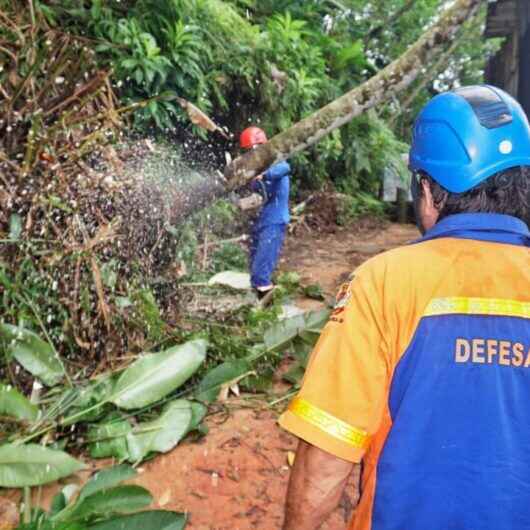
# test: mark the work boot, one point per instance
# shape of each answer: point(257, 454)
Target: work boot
point(264, 295)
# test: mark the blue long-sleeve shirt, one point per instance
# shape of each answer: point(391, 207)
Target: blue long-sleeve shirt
point(275, 188)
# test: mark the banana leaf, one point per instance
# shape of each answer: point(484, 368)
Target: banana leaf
point(161, 434)
point(109, 439)
point(210, 386)
point(154, 376)
point(34, 465)
point(16, 405)
point(117, 500)
point(34, 354)
point(307, 326)
point(107, 478)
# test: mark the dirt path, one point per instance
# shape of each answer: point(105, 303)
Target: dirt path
point(329, 258)
point(235, 478)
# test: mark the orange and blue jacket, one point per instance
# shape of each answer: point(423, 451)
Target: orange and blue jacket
point(423, 374)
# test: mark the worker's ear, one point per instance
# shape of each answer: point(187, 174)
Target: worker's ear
point(432, 201)
point(427, 193)
point(427, 211)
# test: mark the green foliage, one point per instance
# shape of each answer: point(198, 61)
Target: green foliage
point(104, 503)
point(271, 63)
point(464, 65)
point(162, 433)
point(33, 465)
point(143, 385)
point(352, 207)
point(117, 438)
point(16, 405)
point(29, 295)
point(109, 439)
point(290, 280)
point(368, 159)
point(220, 220)
point(147, 314)
point(34, 354)
point(224, 374)
point(105, 479)
point(229, 256)
point(254, 365)
point(154, 376)
point(313, 290)
point(159, 520)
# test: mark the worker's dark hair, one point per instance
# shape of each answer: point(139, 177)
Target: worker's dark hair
point(506, 192)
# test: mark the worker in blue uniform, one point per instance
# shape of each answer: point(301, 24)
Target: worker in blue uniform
point(269, 229)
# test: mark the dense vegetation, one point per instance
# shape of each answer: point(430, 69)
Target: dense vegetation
point(273, 62)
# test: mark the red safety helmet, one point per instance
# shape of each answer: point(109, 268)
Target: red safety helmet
point(252, 136)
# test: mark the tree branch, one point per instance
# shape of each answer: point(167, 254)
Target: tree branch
point(394, 78)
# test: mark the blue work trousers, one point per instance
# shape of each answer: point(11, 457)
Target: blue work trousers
point(265, 248)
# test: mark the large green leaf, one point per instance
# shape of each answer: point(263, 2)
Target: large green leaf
point(211, 384)
point(33, 465)
point(307, 326)
point(162, 434)
point(13, 403)
point(109, 439)
point(107, 478)
point(150, 520)
point(154, 376)
point(34, 354)
point(118, 500)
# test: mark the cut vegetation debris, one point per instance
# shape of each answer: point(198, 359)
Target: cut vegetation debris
point(148, 407)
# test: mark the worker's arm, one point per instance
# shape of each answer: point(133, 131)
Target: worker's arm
point(317, 481)
point(277, 171)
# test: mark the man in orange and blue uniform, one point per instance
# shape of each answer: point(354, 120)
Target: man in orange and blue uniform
point(423, 371)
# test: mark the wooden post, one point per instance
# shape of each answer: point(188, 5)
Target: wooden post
point(402, 205)
point(523, 92)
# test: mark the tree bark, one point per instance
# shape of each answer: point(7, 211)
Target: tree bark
point(397, 76)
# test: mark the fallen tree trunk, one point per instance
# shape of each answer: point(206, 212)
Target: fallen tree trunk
point(397, 76)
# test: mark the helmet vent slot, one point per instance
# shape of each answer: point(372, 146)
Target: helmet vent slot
point(488, 106)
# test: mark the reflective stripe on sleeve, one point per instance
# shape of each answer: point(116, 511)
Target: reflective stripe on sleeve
point(478, 306)
point(329, 424)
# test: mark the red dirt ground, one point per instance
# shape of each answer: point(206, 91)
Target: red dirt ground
point(235, 478)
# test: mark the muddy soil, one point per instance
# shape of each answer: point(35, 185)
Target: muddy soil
point(235, 478)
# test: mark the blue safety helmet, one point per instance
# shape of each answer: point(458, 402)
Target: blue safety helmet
point(465, 136)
